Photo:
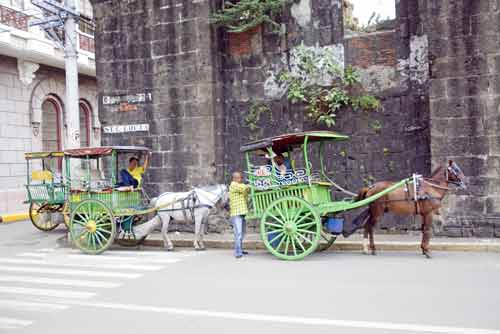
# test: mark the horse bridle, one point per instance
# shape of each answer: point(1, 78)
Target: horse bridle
point(455, 171)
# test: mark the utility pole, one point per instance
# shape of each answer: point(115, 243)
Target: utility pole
point(56, 16)
point(71, 64)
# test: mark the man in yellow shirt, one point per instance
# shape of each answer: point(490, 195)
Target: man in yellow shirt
point(132, 176)
point(238, 201)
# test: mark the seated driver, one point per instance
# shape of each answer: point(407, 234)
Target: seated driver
point(132, 176)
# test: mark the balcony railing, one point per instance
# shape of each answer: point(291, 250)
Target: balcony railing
point(13, 18)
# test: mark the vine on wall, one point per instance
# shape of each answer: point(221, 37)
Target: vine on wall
point(317, 81)
point(246, 14)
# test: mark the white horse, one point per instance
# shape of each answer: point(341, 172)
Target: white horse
point(191, 207)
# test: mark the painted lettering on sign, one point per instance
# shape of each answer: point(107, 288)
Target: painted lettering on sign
point(125, 128)
point(131, 99)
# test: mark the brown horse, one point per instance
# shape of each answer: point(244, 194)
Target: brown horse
point(403, 201)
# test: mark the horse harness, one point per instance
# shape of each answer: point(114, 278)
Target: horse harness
point(417, 197)
point(188, 205)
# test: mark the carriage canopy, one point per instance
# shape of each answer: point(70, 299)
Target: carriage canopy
point(85, 152)
point(282, 142)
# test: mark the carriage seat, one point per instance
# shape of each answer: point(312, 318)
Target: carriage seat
point(41, 175)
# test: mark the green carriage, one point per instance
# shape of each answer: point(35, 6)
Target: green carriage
point(101, 210)
point(295, 207)
point(45, 189)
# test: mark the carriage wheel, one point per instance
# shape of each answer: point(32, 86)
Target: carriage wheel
point(328, 238)
point(290, 228)
point(40, 216)
point(92, 226)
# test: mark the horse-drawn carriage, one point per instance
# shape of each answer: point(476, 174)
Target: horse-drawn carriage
point(101, 210)
point(295, 207)
point(45, 189)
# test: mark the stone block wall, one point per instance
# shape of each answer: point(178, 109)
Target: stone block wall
point(435, 71)
point(464, 47)
point(167, 49)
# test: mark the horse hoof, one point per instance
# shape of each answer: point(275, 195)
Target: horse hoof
point(427, 254)
point(200, 249)
point(374, 252)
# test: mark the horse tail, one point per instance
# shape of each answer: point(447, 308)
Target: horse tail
point(362, 194)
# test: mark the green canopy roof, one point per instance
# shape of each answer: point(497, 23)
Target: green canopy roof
point(282, 142)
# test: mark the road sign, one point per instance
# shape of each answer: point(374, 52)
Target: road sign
point(47, 19)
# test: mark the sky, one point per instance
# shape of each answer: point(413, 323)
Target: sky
point(363, 9)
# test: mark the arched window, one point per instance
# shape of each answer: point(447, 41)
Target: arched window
point(85, 122)
point(51, 124)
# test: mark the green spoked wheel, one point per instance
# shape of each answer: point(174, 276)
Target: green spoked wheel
point(92, 226)
point(326, 241)
point(40, 216)
point(290, 228)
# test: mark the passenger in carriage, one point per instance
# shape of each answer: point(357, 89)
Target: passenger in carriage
point(284, 165)
point(132, 176)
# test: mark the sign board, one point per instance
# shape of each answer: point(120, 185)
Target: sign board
point(125, 128)
point(130, 99)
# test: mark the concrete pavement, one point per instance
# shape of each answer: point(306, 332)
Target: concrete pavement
point(46, 289)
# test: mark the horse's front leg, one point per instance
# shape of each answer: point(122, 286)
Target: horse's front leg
point(167, 243)
point(426, 234)
point(199, 217)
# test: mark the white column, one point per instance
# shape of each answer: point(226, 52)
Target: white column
point(71, 63)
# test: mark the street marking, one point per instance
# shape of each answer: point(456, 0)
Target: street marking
point(46, 292)
point(68, 272)
point(58, 281)
point(120, 258)
point(52, 262)
point(289, 319)
point(29, 254)
point(11, 323)
point(46, 250)
point(31, 306)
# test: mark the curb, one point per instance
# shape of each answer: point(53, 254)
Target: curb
point(488, 247)
point(347, 245)
point(13, 217)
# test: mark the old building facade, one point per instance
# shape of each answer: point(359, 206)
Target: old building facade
point(32, 96)
point(435, 69)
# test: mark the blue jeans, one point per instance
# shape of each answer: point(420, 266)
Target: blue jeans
point(239, 227)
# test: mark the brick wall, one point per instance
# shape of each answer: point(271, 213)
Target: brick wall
point(377, 48)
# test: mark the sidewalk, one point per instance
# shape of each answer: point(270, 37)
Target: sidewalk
point(384, 242)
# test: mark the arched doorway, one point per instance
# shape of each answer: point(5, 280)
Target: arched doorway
point(51, 124)
point(85, 123)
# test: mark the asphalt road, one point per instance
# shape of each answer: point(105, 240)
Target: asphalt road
point(46, 289)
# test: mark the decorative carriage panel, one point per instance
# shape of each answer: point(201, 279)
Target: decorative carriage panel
point(117, 200)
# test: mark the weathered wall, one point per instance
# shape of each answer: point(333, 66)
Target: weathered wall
point(465, 109)
point(203, 82)
point(383, 59)
point(166, 48)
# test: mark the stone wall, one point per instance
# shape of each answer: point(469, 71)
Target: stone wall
point(203, 82)
point(168, 49)
point(464, 46)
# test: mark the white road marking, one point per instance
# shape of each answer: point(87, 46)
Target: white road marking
point(120, 258)
point(11, 323)
point(46, 292)
point(30, 254)
point(46, 250)
point(54, 261)
point(406, 327)
point(68, 272)
point(58, 281)
point(31, 306)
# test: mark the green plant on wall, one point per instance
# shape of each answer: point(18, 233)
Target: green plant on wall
point(254, 113)
point(247, 14)
point(316, 80)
